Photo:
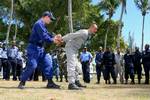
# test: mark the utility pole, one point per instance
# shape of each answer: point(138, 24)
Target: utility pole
point(70, 16)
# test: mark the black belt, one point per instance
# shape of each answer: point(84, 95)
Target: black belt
point(85, 61)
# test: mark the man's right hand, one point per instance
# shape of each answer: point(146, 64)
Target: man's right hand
point(58, 39)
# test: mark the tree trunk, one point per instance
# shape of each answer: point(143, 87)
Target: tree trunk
point(16, 30)
point(106, 35)
point(143, 33)
point(9, 26)
point(105, 43)
point(120, 27)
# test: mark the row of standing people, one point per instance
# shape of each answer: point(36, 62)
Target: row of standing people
point(11, 61)
point(117, 64)
point(106, 62)
point(106, 58)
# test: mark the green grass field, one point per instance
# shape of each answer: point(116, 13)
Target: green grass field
point(37, 91)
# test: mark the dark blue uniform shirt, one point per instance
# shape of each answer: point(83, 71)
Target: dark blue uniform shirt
point(128, 58)
point(40, 34)
point(108, 58)
point(98, 58)
point(146, 56)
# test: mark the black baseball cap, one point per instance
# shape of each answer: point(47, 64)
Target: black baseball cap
point(49, 14)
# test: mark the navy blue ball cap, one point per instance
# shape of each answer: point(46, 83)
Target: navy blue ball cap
point(49, 14)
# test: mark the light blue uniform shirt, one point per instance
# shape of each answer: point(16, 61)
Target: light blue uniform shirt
point(12, 52)
point(20, 55)
point(85, 56)
point(4, 54)
point(1, 51)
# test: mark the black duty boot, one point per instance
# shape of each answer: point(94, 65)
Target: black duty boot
point(146, 82)
point(139, 81)
point(57, 78)
point(52, 85)
point(106, 82)
point(132, 82)
point(79, 84)
point(66, 80)
point(109, 82)
point(73, 86)
point(14, 79)
point(115, 81)
point(97, 82)
point(61, 80)
point(126, 82)
point(21, 85)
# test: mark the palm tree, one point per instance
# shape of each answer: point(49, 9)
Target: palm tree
point(144, 6)
point(109, 7)
point(123, 9)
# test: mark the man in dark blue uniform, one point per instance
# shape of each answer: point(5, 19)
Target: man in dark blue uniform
point(99, 67)
point(137, 63)
point(36, 53)
point(146, 63)
point(109, 62)
point(129, 68)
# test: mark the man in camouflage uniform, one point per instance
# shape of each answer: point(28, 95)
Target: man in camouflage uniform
point(62, 65)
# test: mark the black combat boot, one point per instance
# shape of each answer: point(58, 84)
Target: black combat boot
point(79, 84)
point(21, 85)
point(66, 78)
point(73, 86)
point(52, 85)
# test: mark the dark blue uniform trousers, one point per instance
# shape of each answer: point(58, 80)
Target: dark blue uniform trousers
point(6, 69)
point(109, 69)
point(138, 70)
point(37, 57)
point(99, 70)
point(146, 69)
point(129, 70)
point(86, 71)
